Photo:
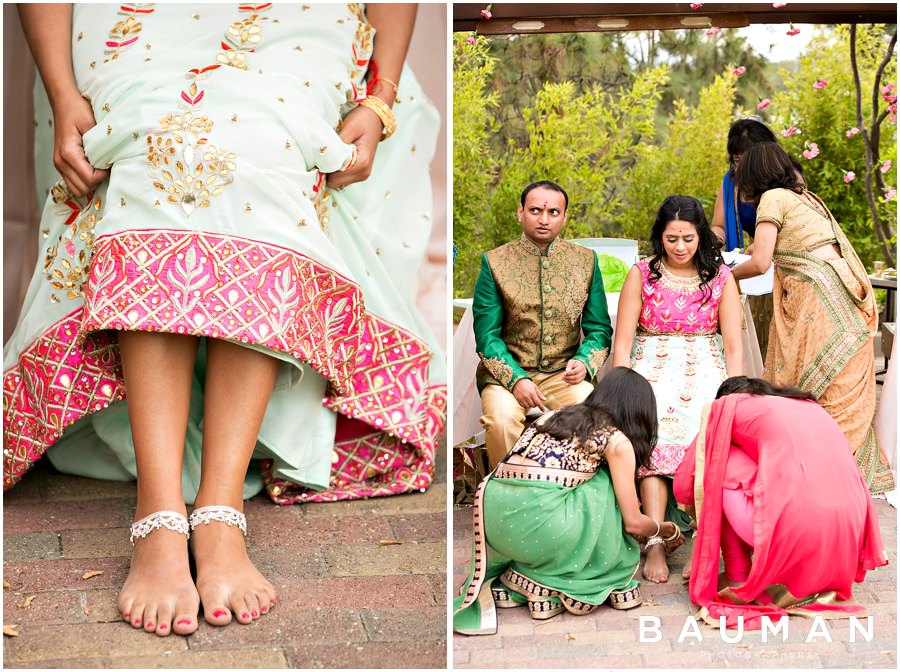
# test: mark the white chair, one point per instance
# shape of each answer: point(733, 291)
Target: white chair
point(622, 248)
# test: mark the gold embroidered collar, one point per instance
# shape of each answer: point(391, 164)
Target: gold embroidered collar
point(528, 246)
point(677, 282)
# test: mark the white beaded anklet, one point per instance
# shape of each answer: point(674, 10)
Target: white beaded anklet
point(171, 520)
point(222, 514)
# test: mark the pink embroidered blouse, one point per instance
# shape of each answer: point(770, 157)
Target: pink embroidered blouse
point(675, 305)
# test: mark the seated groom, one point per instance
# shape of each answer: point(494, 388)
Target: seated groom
point(533, 298)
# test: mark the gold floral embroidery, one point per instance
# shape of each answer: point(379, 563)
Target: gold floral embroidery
point(677, 283)
point(202, 171)
point(126, 31)
point(574, 299)
point(242, 37)
point(67, 261)
point(498, 369)
point(597, 359)
point(362, 50)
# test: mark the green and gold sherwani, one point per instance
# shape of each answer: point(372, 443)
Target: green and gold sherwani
point(530, 309)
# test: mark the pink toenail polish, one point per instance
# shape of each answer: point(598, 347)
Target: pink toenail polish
point(163, 626)
point(245, 615)
point(137, 622)
point(127, 617)
point(218, 613)
point(150, 625)
point(184, 621)
point(255, 613)
point(264, 610)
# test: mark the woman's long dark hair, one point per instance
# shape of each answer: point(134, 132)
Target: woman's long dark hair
point(707, 259)
point(766, 166)
point(743, 134)
point(759, 387)
point(623, 399)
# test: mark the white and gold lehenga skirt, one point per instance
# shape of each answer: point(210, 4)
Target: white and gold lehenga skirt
point(218, 123)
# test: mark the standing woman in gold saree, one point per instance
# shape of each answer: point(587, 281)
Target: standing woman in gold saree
point(820, 339)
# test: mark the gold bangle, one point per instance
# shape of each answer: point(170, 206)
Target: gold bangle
point(379, 107)
point(674, 534)
point(389, 81)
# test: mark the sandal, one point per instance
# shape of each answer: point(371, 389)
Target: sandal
point(220, 514)
point(543, 609)
point(171, 520)
point(503, 599)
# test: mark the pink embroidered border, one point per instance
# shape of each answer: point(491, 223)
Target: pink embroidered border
point(375, 465)
point(59, 379)
point(221, 287)
point(664, 461)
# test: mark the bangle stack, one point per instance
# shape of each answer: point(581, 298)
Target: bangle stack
point(379, 107)
point(654, 538)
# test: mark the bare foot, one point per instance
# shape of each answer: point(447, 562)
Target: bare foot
point(686, 571)
point(159, 595)
point(228, 583)
point(655, 567)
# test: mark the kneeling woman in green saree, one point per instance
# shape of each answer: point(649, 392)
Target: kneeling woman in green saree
point(553, 522)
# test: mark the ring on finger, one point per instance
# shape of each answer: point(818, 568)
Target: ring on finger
point(353, 158)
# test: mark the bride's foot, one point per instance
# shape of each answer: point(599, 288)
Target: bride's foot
point(159, 595)
point(655, 567)
point(228, 583)
point(686, 572)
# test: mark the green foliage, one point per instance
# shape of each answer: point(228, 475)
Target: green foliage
point(690, 162)
point(528, 62)
point(824, 116)
point(474, 165)
point(582, 142)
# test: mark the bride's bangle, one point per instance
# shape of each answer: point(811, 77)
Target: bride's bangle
point(379, 107)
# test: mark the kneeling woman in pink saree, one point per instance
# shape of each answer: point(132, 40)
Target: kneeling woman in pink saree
point(777, 491)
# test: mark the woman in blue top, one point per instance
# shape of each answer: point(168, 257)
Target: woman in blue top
point(731, 216)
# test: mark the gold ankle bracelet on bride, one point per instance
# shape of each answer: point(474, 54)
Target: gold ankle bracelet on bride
point(171, 520)
point(220, 514)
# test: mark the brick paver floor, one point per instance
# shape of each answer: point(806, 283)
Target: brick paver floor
point(348, 597)
point(611, 639)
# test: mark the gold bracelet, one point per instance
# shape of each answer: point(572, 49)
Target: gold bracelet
point(674, 534)
point(391, 82)
point(379, 107)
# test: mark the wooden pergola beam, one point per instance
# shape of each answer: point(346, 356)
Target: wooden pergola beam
point(522, 18)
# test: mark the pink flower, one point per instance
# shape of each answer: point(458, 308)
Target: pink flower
point(812, 152)
point(820, 84)
point(779, 5)
point(712, 30)
point(893, 107)
point(886, 166)
point(793, 31)
point(471, 39)
point(486, 14)
point(763, 104)
point(696, 5)
point(890, 194)
point(788, 132)
point(738, 71)
point(887, 89)
point(849, 176)
point(851, 132)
